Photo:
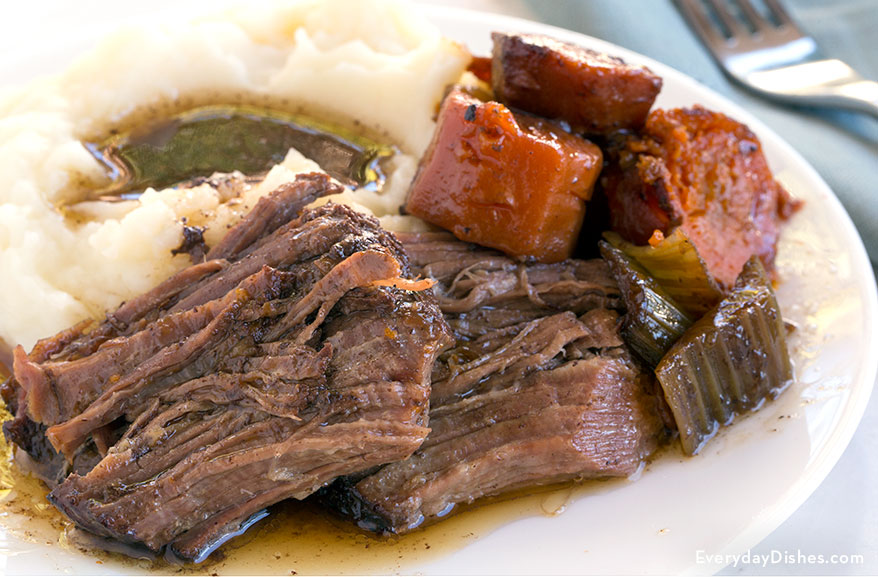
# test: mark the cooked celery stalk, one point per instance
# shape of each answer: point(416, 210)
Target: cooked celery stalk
point(728, 362)
point(654, 321)
point(675, 264)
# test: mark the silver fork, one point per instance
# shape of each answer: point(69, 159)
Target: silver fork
point(768, 54)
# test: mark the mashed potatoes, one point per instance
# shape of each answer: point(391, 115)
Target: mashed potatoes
point(370, 61)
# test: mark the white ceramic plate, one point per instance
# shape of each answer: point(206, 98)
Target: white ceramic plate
point(683, 512)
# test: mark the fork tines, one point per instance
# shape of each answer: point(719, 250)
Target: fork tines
point(764, 50)
point(731, 28)
point(735, 17)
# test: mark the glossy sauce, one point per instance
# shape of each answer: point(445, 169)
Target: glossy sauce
point(302, 538)
point(24, 512)
point(296, 538)
point(158, 139)
point(210, 139)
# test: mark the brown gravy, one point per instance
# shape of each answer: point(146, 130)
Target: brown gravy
point(297, 538)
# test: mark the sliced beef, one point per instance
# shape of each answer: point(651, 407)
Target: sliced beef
point(476, 283)
point(287, 359)
point(193, 244)
point(538, 389)
point(271, 212)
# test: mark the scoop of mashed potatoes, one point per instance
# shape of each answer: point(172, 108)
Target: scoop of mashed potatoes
point(375, 62)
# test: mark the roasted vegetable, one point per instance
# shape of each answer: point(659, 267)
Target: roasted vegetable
point(675, 265)
point(706, 173)
point(591, 91)
point(480, 67)
point(653, 321)
point(729, 362)
point(504, 180)
point(222, 139)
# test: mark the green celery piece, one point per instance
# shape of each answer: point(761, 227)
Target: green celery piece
point(729, 362)
point(677, 267)
point(653, 321)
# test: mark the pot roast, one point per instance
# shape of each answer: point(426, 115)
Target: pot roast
point(538, 388)
point(292, 355)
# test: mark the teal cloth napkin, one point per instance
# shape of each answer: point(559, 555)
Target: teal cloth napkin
point(842, 146)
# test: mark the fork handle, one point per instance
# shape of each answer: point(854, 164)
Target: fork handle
point(829, 83)
point(859, 96)
point(867, 101)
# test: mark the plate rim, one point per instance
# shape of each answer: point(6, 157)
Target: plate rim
point(818, 466)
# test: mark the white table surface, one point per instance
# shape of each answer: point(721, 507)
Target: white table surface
point(841, 517)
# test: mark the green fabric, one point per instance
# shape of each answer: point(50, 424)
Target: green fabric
point(842, 146)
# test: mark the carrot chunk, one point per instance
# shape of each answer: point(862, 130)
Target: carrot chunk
point(480, 66)
point(505, 180)
point(593, 92)
point(706, 173)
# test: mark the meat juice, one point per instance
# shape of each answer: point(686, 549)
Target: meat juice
point(296, 538)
